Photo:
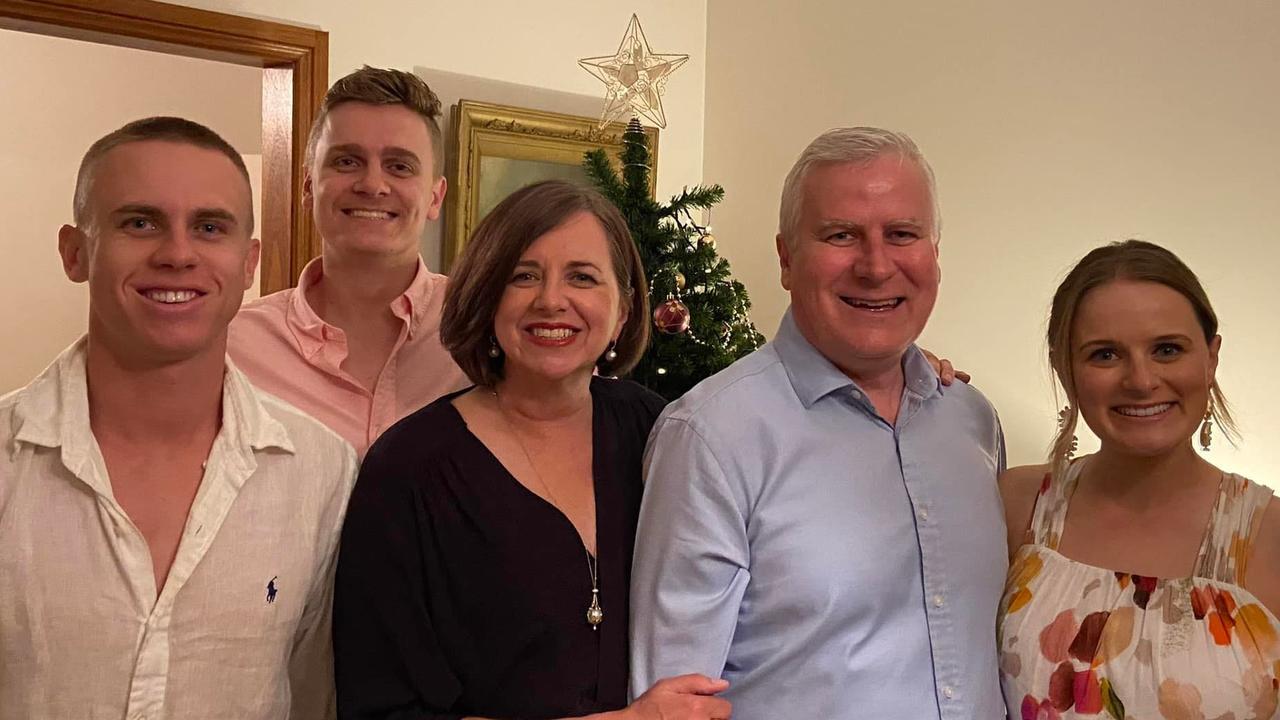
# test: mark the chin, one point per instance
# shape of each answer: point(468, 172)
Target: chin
point(557, 372)
point(1143, 448)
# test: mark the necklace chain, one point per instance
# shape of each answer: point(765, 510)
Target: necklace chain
point(595, 614)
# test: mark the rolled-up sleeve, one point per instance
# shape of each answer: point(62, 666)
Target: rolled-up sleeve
point(691, 567)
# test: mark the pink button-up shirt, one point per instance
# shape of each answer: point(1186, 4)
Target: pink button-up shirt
point(288, 350)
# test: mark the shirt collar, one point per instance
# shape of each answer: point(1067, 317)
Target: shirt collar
point(813, 376)
point(313, 332)
point(54, 411)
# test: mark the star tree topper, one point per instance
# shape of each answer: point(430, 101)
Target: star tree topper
point(634, 77)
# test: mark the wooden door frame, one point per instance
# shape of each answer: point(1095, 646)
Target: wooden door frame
point(295, 76)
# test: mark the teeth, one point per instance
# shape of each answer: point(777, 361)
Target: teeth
point(1144, 411)
point(171, 296)
point(873, 304)
point(370, 214)
point(552, 333)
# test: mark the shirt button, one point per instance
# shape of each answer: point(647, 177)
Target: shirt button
point(937, 602)
point(947, 692)
point(924, 513)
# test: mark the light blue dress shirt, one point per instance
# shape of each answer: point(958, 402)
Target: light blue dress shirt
point(825, 562)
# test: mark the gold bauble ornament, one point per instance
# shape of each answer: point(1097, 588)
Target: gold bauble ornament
point(680, 280)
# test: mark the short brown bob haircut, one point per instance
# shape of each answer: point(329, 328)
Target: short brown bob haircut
point(481, 275)
point(380, 86)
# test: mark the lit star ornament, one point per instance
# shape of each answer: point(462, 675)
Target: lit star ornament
point(634, 77)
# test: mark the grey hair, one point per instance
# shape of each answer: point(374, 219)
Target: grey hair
point(858, 145)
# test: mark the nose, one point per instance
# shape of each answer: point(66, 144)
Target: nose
point(873, 264)
point(372, 180)
point(1139, 374)
point(177, 250)
point(551, 296)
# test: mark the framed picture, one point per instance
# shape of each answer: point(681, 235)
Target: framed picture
point(495, 150)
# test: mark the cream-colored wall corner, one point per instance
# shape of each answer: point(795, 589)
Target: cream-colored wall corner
point(535, 44)
point(1053, 127)
point(61, 95)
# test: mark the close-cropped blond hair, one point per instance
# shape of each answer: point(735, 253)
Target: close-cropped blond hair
point(162, 129)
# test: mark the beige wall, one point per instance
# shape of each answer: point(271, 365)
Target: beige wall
point(1053, 127)
point(62, 96)
point(536, 44)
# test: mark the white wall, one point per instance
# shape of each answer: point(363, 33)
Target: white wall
point(61, 95)
point(536, 44)
point(1053, 127)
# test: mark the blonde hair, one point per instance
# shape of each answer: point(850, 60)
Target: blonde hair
point(857, 145)
point(1127, 260)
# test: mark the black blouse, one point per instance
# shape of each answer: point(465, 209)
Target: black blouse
point(460, 592)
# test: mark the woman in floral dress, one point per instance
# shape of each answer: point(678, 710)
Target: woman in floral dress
point(1144, 580)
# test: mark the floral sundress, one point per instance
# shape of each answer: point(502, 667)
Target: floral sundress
point(1078, 641)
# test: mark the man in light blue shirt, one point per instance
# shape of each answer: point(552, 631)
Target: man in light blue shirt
point(821, 525)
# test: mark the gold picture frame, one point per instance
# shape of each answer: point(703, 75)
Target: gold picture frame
point(496, 149)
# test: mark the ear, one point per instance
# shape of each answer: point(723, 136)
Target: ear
point(624, 314)
point(251, 259)
point(308, 192)
point(438, 189)
point(784, 261)
point(1215, 346)
point(74, 251)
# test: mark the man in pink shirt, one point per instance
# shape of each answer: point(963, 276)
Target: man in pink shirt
point(357, 343)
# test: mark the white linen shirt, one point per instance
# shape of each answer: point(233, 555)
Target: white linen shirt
point(241, 628)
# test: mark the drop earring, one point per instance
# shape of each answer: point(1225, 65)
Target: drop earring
point(1206, 430)
point(495, 352)
point(1063, 414)
point(610, 355)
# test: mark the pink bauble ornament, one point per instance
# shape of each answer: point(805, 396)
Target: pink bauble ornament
point(671, 317)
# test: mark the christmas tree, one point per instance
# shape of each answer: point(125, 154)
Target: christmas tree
point(699, 311)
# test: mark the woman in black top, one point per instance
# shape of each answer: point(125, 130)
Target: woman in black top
point(485, 562)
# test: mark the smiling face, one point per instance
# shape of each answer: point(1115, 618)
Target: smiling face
point(1141, 366)
point(862, 267)
point(371, 185)
point(166, 251)
point(562, 306)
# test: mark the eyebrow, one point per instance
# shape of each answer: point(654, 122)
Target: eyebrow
point(216, 214)
point(572, 264)
point(832, 224)
point(356, 149)
point(1162, 338)
point(151, 211)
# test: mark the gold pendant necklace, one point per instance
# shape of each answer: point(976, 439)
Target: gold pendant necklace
point(595, 613)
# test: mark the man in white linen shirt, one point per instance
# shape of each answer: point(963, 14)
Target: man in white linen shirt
point(167, 532)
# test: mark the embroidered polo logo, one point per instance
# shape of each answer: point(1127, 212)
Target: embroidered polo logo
point(271, 590)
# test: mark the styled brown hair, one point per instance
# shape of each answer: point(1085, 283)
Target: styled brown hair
point(480, 277)
point(1127, 260)
point(380, 86)
point(165, 129)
